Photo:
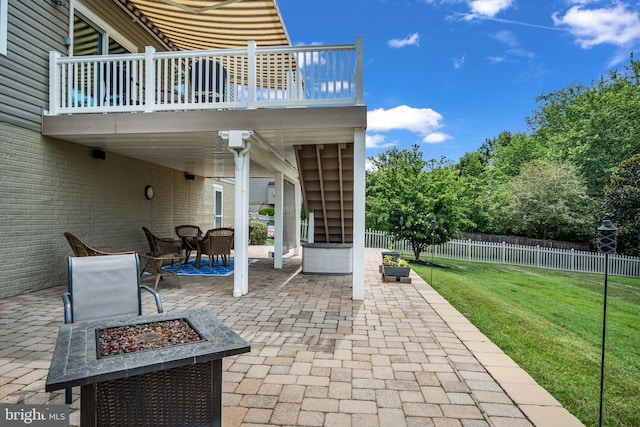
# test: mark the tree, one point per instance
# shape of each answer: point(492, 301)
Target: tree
point(511, 151)
point(549, 201)
point(403, 184)
point(473, 169)
point(622, 205)
point(594, 128)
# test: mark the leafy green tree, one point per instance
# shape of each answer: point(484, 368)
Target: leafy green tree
point(549, 201)
point(403, 185)
point(594, 127)
point(622, 205)
point(473, 170)
point(511, 151)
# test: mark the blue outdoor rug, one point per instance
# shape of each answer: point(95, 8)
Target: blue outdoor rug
point(218, 270)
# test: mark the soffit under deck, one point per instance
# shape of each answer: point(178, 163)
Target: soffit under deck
point(188, 141)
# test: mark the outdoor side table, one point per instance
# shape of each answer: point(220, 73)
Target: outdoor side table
point(156, 259)
point(179, 385)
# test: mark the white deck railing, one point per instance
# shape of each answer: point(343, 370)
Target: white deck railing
point(252, 77)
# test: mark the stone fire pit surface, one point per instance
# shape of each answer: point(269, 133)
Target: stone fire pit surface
point(75, 361)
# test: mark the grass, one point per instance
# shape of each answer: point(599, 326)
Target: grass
point(550, 323)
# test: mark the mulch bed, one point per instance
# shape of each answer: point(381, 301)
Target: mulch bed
point(145, 336)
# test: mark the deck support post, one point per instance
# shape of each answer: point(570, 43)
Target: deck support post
point(359, 156)
point(240, 149)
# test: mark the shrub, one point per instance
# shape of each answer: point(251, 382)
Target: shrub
point(267, 211)
point(388, 260)
point(258, 234)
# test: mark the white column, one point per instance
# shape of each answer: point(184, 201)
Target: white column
point(358, 213)
point(243, 236)
point(240, 150)
point(311, 230)
point(298, 204)
point(279, 222)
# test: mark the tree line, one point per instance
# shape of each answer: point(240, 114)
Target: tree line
point(578, 163)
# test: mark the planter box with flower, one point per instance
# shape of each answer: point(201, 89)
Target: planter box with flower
point(395, 268)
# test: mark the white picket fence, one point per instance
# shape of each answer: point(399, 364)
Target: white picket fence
point(504, 253)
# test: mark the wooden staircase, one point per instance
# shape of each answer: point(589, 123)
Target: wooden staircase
point(326, 178)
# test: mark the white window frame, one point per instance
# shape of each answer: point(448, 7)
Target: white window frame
point(218, 189)
point(4, 5)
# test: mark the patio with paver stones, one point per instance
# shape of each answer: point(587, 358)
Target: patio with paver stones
point(402, 357)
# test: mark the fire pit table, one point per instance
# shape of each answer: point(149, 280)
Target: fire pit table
point(158, 369)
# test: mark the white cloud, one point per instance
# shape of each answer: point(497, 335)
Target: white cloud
point(489, 8)
point(422, 121)
point(436, 138)
point(410, 40)
point(514, 50)
point(497, 59)
point(592, 27)
point(377, 141)
point(368, 165)
point(458, 62)
point(506, 37)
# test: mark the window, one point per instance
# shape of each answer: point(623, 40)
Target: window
point(93, 36)
point(217, 206)
point(88, 39)
point(4, 5)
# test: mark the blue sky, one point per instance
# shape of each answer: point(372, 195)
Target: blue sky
point(448, 74)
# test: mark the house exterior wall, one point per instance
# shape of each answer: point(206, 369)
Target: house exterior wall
point(33, 29)
point(228, 207)
point(258, 188)
point(51, 186)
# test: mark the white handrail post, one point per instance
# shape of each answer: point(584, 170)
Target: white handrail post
point(311, 227)
point(149, 79)
point(54, 83)
point(359, 77)
point(252, 74)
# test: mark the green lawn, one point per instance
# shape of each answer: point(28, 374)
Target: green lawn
point(550, 323)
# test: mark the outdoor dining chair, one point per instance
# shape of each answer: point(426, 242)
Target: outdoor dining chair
point(104, 287)
point(217, 242)
point(165, 245)
point(190, 236)
point(80, 248)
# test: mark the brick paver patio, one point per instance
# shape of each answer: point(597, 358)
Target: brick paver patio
point(402, 357)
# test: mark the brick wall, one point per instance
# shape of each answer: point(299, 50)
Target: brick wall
point(48, 186)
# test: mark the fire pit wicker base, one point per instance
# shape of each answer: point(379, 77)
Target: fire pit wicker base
point(179, 385)
point(185, 396)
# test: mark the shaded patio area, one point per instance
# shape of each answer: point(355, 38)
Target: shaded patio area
point(402, 357)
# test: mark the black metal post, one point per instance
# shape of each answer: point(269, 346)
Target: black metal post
point(606, 244)
point(604, 333)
